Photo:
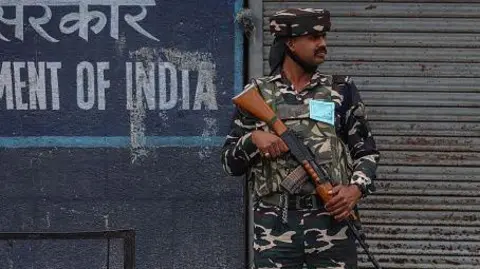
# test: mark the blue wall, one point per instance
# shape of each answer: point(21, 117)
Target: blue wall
point(69, 162)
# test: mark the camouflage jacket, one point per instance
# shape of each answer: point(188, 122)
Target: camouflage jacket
point(348, 145)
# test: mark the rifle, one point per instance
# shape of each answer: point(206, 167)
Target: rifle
point(251, 101)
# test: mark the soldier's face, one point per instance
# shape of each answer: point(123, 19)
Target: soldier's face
point(310, 48)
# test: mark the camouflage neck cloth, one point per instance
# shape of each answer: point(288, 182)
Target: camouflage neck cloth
point(295, 22)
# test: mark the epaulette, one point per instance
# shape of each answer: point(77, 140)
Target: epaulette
point(340, 82)
point(340, 79)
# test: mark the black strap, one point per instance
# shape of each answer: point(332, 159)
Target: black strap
point(306, 66)
point(277, 55)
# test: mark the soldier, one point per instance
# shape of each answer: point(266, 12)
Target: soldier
point(292, 227)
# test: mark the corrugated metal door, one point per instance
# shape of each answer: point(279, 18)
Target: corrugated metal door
point(417, 66)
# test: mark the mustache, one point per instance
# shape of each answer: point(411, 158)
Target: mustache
point(321, 50)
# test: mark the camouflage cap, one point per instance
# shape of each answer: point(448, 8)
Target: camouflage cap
point(299, 21)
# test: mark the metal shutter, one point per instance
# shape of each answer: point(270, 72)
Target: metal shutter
point(417, 66)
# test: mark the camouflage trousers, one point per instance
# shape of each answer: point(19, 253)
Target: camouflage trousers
point(310, 239)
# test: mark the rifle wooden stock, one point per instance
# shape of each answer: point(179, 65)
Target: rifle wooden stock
point(252, 102)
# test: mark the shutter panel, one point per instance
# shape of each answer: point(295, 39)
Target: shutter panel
point(416, 64)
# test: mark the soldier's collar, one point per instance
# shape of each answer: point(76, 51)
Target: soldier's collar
point(320, 79)
point(316, 79)
point(275, 78)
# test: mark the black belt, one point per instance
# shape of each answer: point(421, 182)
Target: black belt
point(308, 201)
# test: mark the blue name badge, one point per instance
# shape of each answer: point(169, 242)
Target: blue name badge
point(322, 111)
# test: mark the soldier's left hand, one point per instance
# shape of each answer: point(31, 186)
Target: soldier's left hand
point(344, 198)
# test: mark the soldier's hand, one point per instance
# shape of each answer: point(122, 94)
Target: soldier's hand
point(270, 145)
point(344, 199)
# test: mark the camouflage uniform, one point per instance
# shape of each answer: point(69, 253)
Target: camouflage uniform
point(308, 236)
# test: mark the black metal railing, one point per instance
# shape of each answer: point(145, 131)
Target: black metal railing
point(128, 237)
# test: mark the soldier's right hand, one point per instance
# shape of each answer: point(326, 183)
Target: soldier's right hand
point(270, 145)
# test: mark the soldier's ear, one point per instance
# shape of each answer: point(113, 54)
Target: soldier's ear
point(290, 44)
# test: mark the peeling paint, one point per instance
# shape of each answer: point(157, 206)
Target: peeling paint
point(187, 60)
point(145, 54)
point(121, 44)
point(71, 211)
point(137, 132)
point(10, 262)
point(164, 118)
point(138, 114)
point(211, 129)
point(105, 218)
point(47, 219)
